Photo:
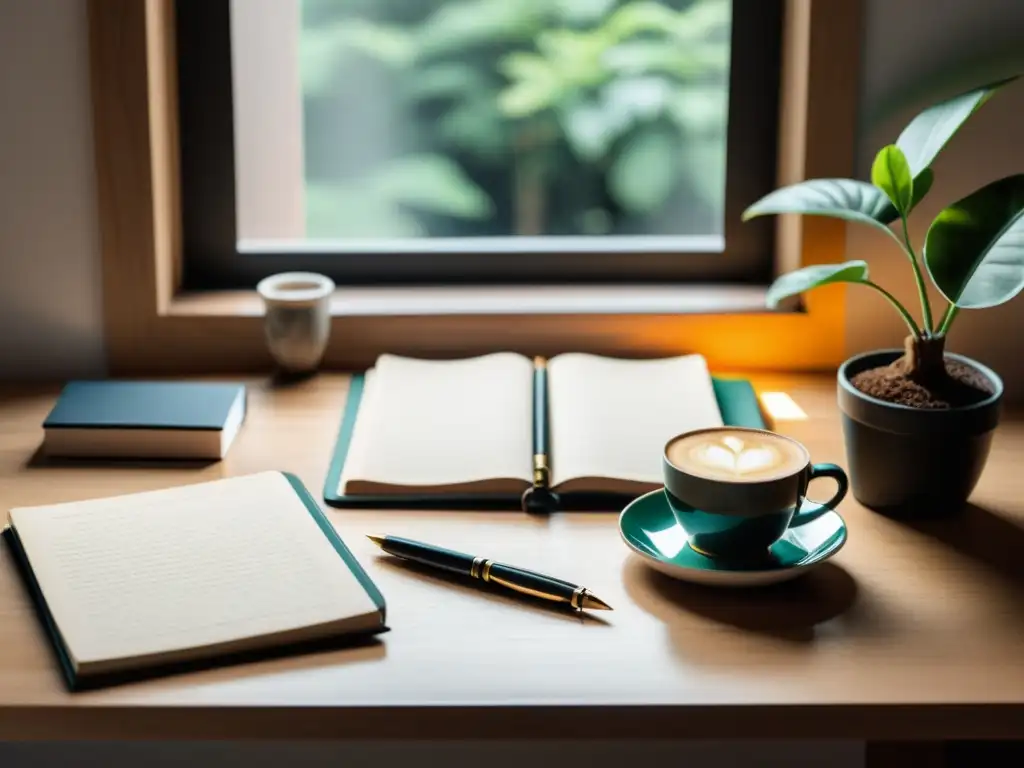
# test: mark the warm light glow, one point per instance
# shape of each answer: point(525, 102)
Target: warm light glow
point(782, 407)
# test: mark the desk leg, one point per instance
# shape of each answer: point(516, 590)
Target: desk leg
point(904, 754)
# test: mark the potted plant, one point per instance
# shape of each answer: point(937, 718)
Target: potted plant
point(918, 422)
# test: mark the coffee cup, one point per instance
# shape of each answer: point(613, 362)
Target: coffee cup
point(297, 321)
point(736, 491)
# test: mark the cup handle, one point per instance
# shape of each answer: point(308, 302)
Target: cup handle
point(843, 483)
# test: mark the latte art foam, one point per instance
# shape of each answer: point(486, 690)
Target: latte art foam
point(736, 455)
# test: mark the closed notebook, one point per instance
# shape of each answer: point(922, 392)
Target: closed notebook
point(148, 581)
point(464, 429)
point(145, 420)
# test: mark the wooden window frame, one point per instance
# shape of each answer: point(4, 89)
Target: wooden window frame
point(152, 326)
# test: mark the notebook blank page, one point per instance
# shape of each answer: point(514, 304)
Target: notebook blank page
point(443, 424)
point(611, 418)
point(185, 567)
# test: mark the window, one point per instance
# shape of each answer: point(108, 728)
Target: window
point(484, 141)
point(169, 204)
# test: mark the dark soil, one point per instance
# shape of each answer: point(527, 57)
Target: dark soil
point(964, 385)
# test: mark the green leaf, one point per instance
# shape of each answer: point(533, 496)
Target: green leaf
point(891, 174)
point(457, 27)
point(646, 56)
point(704, 20)
point(527, 98)
point(583, 11)
point(592, 126)
point(432, 183)
point(701, 110)
point(839, 198)
point(535, 85)
point(645, 172)
point(575, 56)
point(813, 277)
point(926, 135)
point(922, 186)
point(974, 249)
point(522, 65)
point(638, 17)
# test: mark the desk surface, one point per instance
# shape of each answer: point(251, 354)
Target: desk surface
point(913, 631)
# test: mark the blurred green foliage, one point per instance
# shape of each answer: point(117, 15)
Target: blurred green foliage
point(514, 116)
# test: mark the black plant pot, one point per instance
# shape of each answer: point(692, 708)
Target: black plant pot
point(914, 462)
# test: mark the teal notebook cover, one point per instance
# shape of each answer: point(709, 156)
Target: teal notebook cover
point(76, 682)
point(143, 405)
point(736, 400)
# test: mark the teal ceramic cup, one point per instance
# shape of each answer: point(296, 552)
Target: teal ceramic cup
point(741, 518)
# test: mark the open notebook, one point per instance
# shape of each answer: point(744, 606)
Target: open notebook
point(189, 574)
point(457, 432)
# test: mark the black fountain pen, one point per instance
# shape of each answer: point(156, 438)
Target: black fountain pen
point(517, 579)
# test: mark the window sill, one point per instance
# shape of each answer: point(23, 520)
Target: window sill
point(498, 300)
point(222, 332)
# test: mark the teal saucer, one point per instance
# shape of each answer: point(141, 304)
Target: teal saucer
point(651, 531)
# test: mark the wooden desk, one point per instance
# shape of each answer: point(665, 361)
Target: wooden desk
point(913, 632)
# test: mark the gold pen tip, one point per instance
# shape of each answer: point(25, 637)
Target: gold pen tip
point(595, 603)
point(378, 540)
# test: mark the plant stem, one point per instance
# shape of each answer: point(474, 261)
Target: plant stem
point(907, 317)
point(922, 290)
point(947, 319)
point(924, 360)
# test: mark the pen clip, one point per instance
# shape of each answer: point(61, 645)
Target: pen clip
point(541, 473)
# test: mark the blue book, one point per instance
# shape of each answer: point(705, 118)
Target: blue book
point(145, 420)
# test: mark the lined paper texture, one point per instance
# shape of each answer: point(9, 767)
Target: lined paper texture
point(183, 568)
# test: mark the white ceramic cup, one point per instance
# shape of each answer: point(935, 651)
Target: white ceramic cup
point(297, 321)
